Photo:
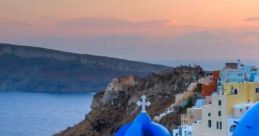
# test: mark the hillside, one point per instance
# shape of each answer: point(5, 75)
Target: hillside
point(117, 104)
point(24, 68)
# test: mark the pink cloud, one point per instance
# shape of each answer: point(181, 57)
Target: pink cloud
point(252, 19)
point(153, 39)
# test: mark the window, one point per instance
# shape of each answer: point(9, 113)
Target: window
point(219, 102)
point(217, 125)
point(220, 125)
point(219, 113)
point(209, 123)
point(209, 114)
point(257, 90)
point(235, 91)
point(219, 83)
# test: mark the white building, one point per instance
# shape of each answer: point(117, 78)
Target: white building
point(193, 114)
point(237, 92)
point(185, 130)
point(236, 72)
point(215, 119)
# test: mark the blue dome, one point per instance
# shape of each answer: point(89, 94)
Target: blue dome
point(249, 124)
point(142, 126)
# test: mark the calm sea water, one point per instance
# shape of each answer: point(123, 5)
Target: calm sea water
point(40, 114)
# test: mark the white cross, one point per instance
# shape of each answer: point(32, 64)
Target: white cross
point(143, 103)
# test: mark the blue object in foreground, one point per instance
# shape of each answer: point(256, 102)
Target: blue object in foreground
point(249, 124)
point(143, 125)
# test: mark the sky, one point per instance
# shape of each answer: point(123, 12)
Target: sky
point(157, 31)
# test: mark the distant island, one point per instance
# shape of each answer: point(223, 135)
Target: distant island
point(31, 69)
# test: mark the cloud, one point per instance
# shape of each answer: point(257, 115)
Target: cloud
point(94, 27)
point(110, 23)
point(145, 40)
point(49, 18)
point(252, 19)
point(111, 26)
point(196, 45)
point(17, 23)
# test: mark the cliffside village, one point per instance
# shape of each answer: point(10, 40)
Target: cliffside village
point(227, 95)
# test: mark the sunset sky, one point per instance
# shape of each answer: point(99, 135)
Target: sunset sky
point(144, 30)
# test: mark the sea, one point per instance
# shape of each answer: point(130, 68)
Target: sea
point(41, 114)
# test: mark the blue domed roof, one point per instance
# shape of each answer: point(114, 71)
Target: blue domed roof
point(142, 126)
point(249, 124)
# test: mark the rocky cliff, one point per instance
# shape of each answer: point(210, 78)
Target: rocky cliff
point(33, 69)
point(116, 105)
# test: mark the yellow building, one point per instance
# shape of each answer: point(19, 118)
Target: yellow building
point(227, 106)
point(236, 93)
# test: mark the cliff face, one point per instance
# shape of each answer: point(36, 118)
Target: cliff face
point(42, 70)
point(117, 104)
